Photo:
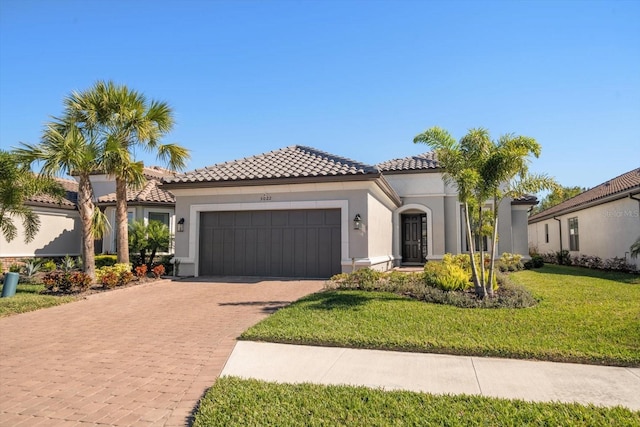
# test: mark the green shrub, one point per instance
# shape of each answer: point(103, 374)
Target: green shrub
point(448, 277)
point(538, 261)
point(15, 268)
point(510, 262)
point(366, 278)
point(106, 260)
point(563, 257)
point(48, 265)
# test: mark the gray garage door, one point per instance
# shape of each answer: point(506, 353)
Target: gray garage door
point(294, 243)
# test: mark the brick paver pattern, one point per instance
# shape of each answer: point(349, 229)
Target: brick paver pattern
point(140, 356)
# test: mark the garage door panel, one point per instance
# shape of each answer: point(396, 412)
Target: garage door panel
point(297, 243)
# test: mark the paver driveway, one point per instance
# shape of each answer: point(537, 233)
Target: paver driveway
point(137, 356)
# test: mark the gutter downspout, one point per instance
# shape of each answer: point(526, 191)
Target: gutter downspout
point(560, 229)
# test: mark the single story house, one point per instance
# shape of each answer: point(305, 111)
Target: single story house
point(603, 221)
point(301, 212)
point(60, 229)
point(59, 232)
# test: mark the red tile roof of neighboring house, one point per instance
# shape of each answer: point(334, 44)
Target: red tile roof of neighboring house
point(618, 187)
point(67, 202)
point(151, 192)
point(291, 162)
point(419, 162)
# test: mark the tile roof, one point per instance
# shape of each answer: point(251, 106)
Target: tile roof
point(68, 201)
point(621, 184)
point(412, 163)
point(151, 192)
point(290, 162)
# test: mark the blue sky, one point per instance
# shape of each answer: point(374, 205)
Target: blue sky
point(355, 78)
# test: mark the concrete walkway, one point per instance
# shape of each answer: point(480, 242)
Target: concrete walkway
point(438, 374)
point(140, 356)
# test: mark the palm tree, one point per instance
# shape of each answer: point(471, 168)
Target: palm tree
point(459, 169)
point(124, 120)
point(17, 184)
point(505, 174)
point(66, 149)
point(635, 248)
point(483, 170)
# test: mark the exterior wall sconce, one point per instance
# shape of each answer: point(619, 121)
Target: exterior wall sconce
point(181, 225)
point(357, 222)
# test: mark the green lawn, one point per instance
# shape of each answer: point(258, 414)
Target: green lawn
point(583, 316)
point(28, 298)
point(237, 402)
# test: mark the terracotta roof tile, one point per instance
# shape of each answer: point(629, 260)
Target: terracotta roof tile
point(626, 181)
point(417, 162)
point(290, 162)
point(68, 201)
point(151, 192)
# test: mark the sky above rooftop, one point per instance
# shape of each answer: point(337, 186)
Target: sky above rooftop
point(358, 79)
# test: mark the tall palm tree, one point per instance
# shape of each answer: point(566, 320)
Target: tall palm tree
point(505, 174)
point(66, 149)
point(482, 170)
point(17, 184)
point(124, 120)
point(458, 169)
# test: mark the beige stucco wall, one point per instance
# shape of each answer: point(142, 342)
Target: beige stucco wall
point(352, 197)
point(59, 235)
point(606, 230)
point(427, 193)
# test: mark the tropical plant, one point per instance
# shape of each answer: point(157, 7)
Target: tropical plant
point(148, 238)
point(124, 120)
point(485, 170)
point(17, 184)
point(68, 264)
point(67, 148)
point(32, 266)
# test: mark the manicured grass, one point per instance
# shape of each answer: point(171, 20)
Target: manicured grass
point(583, 316)
point(28, 298)
point(237, 402)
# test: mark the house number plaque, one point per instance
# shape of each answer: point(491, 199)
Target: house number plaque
point(265, 197)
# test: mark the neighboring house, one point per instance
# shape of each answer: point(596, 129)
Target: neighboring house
point(151, 203)
point(59, 232)
point(60, 228)
point(603, 221)
point(301, 212)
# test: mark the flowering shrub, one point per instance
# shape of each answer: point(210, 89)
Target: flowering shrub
point(109, 279)
point(116, 275)
point(158, 270)
point(67, 282)
point(141, 270)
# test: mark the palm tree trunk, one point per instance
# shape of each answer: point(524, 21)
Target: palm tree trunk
point(86, 208)
point(474, 270)
point(483, 283)
point(122, 224)
point(494, 241)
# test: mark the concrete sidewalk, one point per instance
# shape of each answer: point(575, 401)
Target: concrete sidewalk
point(437, 373)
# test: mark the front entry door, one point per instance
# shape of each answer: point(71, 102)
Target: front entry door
point(414, 238)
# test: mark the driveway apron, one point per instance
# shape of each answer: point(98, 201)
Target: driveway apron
point(139, 356)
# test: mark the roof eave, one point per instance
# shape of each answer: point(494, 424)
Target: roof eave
point(272, 181)
point(607, 199)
